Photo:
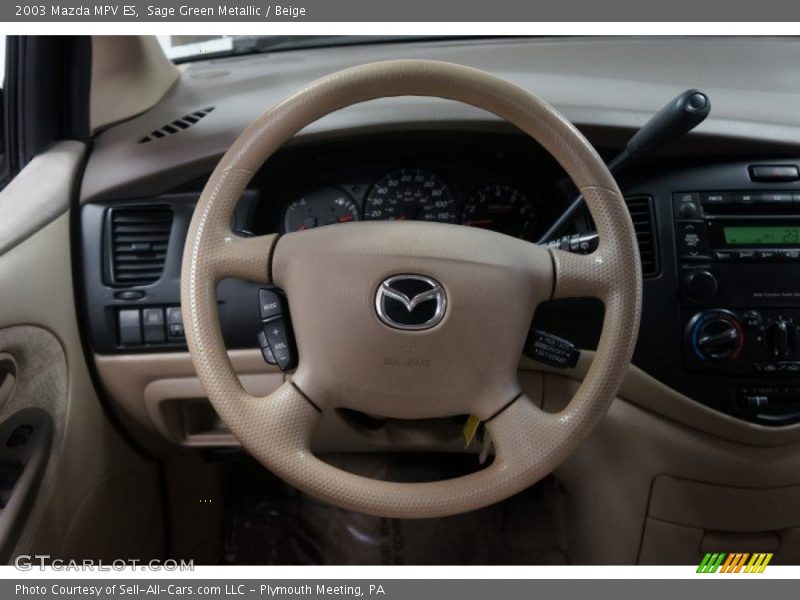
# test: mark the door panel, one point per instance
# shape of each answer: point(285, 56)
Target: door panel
point(88, 465)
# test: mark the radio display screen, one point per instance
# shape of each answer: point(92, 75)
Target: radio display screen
point(768, 235)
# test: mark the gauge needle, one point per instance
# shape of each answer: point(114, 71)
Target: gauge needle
point(480, 222)
point(345, 218)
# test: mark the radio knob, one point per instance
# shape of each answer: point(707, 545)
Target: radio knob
point(781, 338)
point(700, 286)
point(718, 336)
point(688, 210)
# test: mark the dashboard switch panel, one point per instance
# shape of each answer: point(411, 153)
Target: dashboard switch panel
point(150, 326)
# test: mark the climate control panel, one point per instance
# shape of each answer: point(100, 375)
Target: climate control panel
point(748, 342)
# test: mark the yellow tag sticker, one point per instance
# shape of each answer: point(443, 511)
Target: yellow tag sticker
point(470, 427)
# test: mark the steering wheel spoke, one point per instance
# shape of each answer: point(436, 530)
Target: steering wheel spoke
point(579, 275)
point(245, 257)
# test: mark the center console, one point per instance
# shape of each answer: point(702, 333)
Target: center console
point(738, 253)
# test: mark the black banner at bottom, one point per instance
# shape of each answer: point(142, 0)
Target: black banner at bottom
point(734, 587)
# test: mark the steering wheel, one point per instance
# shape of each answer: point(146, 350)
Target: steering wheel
point(361, 343)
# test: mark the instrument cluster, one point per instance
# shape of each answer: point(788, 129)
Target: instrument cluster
point(418, 194)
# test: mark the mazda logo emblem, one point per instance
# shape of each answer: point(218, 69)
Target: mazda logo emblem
point(410, 302)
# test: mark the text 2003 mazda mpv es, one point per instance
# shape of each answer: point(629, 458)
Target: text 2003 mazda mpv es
point(337, 300)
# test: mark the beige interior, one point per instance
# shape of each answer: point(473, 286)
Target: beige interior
point(121, 64)
point(661, 479)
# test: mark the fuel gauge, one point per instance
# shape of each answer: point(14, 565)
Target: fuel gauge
point(323, 206)
point(501, 208)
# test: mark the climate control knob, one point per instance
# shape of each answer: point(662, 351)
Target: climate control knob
point(781, 338)
point(716, 336)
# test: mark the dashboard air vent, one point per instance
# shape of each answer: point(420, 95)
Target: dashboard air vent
point(641, 210)
point(137, 244)
point(177, 125)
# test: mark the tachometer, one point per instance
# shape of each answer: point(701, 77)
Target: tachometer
point(410, 194)
point(501, 208)
point(324, 206)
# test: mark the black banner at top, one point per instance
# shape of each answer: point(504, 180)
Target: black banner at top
point(212, 11)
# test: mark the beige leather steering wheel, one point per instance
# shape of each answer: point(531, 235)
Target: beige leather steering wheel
point(464, 364)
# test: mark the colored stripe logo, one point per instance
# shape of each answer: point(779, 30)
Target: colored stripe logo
point(736, 562)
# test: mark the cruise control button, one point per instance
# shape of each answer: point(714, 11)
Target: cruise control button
point(269, 304)
point(278, 340)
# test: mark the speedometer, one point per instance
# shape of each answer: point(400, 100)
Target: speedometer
point(501, 208)
point(410, 194)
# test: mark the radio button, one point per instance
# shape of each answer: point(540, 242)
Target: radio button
point(768, 255)
point(790, 255)
point(745, 255)
point(714, 198)
point(747, 197)
point(776, 197)
point(723, 255)
point(692, 240)
point(686, 205)
point(700, 286)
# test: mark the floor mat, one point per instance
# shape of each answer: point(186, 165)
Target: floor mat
point(269, 522)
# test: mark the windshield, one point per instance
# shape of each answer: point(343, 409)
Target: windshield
point(180, 48)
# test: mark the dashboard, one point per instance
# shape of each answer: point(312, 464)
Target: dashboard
point(717, 230)
point(721, 316)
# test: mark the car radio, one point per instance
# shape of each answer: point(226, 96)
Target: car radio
point(739, 268)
